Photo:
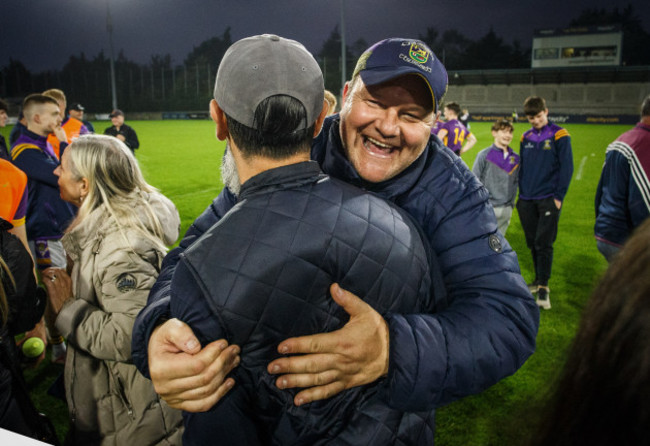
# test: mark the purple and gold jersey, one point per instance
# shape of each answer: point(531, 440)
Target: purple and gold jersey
point(456, 134)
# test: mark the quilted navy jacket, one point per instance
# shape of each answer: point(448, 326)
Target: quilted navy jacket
point(262, 274)
point(485, 327)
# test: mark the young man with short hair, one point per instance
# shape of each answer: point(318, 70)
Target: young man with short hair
point(47, 214)
point(546, 167)
point(70, 127)
point(497, 167)
point(453, 133)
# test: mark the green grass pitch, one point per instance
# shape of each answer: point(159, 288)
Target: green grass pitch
point(182, 159)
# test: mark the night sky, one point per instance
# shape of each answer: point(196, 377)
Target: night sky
point(43, 34)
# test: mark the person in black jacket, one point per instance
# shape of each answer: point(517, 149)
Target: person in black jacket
point(22, 304)
point(265, 271)
point(121, 131)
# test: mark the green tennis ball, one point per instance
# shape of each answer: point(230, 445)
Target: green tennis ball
point(33, 347)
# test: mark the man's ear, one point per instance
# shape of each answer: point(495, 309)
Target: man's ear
point(318, 125)
point(219, 118)
point(346, 91)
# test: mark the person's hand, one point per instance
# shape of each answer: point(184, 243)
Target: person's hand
point(59, 287)
point(184, 375)
point(39, 332)
point(558, 203)
point(355, 355)
point(60, 134)
point(121, 137)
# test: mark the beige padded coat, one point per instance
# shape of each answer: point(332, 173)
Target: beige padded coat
point(110, 402)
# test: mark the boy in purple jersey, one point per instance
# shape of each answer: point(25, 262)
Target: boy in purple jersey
point(546, 166)
point(497, 168)
point(453, 134)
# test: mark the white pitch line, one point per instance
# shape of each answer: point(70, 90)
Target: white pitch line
point(189, 194)
point(583, 161)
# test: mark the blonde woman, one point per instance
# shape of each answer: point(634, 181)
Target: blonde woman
point(116, 244)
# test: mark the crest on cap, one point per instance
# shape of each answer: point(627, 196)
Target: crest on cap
point(418, 54)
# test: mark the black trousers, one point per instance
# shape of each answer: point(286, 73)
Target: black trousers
point(539, 220)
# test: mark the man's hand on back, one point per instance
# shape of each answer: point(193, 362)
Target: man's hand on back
point(186, 376)
point(329, 363)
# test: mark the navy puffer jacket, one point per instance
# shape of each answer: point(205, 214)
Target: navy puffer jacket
point(262, 274)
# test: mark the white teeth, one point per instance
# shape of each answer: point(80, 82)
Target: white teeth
point(379, 144)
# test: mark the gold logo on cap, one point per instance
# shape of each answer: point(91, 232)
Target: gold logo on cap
point(418, 54)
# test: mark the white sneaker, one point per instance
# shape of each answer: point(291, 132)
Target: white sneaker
point(544, 298)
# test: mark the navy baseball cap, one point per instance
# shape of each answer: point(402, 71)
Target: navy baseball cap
point(394, 57)
point(76, 106)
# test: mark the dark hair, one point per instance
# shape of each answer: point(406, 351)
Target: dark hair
point(4, 106)
point(502, 124)
point(534, 105)
point(645, 107)
point(453, 106)
point(603, 395)
point(275, 135)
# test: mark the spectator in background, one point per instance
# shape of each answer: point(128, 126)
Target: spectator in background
point(18, 128)
point(47, 214)
point(331, 102)
point(603, 393)
point(4, 109)
point(121, 131)
point(623, 194)
point(77, 111)
point(70, 128)
point(464, 118)
point(453, 133)
point(546, 167)
point(117, 242)
point(497, 167)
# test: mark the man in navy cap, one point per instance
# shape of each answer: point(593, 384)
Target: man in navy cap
point(485, 324)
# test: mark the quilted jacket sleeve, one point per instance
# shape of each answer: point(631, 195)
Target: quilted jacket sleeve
point(487, 329)
point(157, 307)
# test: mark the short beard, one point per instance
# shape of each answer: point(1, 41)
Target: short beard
point(229, 175)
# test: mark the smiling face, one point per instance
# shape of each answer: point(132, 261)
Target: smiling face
point(385, 127)
point(539, 120)
point(502, 137)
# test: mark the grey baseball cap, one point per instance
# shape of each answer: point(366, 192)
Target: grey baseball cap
point(258, 67)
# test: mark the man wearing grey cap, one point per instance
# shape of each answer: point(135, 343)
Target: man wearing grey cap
point(263, 272)
point(485, 321)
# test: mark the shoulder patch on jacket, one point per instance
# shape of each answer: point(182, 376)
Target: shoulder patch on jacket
point(17, 150)
point(561, 134)
point(125, 282)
